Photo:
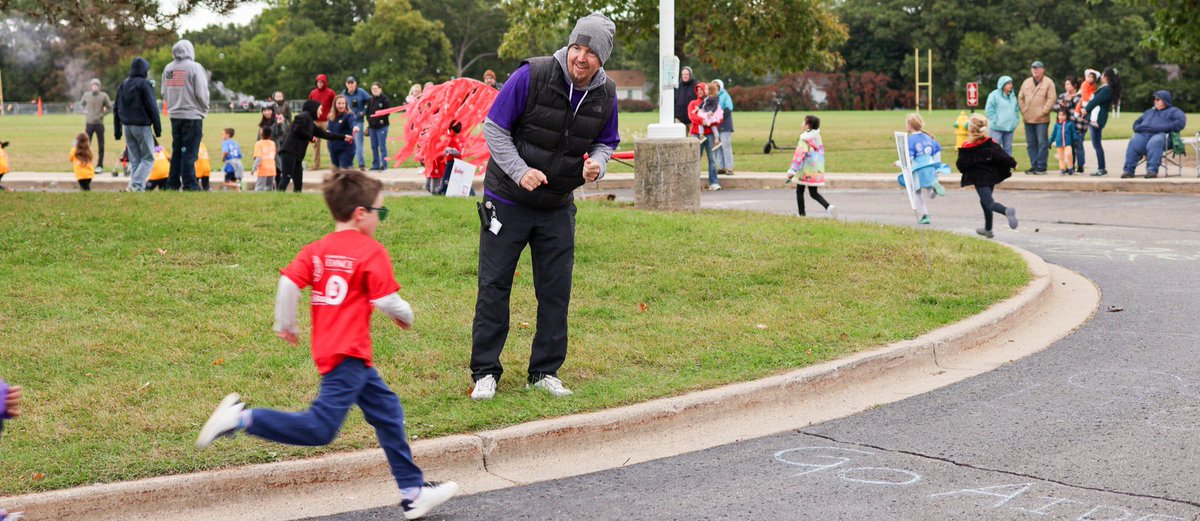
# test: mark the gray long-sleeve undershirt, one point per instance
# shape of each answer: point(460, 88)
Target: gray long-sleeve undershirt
point(504, 152)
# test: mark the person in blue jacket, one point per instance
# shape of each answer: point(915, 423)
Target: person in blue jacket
point(10, 402)
point(342, 121)
point(1002, 113)
point(358, 100)
point(1150, 135)
point(1063, 138)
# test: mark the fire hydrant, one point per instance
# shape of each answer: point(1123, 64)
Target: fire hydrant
point(960, 129)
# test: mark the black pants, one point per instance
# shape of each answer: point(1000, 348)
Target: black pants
point(292, 168)
point(95, 133)
point(85, 185)
point(185, 144)
point(205, 185)
point(550, 235)
point(989, 205)
point(160, 184)
point(812, 191)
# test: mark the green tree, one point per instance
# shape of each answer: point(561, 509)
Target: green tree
point(474, 29)
point(125, 25)
point(743, 37)
point(332, 16)
point(1176, 30)
point(402, 47)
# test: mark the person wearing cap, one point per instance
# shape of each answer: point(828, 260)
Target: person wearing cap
point(357, 100)
point(1150, 135)
point(550, 113)
point(1036, 99)
point(95, 104)
point(489, 79)
point(323, 95)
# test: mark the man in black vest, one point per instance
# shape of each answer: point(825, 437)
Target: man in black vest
point(551, 111)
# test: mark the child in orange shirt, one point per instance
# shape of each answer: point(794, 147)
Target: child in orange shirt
point(81, 157)
point(160, 171)
point(203, 167)
point(264, 162)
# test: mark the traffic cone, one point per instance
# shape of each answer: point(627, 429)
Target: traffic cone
point(39, 105)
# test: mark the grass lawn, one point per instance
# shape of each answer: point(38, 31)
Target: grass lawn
point(127, 317)
point(855, 141)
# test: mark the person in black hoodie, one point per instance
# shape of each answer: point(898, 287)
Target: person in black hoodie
point(377, 127)
point(984, 163)
point(137, 110)
point(684, 95)
point(295, 145)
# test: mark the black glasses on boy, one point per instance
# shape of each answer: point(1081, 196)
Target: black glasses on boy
point(382, 211)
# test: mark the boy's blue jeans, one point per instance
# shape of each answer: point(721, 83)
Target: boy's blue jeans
point(350, 383)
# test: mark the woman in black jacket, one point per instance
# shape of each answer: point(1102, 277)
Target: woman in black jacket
point(377, 127)
point(295, 145)
point(984, 163)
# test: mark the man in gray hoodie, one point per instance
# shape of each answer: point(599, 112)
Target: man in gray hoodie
point(185, 89)
point(95, 104)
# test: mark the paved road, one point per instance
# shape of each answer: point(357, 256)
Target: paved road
point(1103, 425)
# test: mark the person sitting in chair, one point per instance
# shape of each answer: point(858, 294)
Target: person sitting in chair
point(1151, 135)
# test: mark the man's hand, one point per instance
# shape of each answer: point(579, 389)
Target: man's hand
point(532, 179)
point(591, 170)
point(289, 336)
point(350, 139)
point(12, 402)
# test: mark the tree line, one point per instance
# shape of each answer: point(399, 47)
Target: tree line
point(773, 49)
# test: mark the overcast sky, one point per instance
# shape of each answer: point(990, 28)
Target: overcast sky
point(203, 18)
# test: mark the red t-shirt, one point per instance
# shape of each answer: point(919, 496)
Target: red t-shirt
point(347, 270)
point(325, 96)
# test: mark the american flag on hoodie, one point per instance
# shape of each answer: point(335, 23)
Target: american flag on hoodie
point(177, 78)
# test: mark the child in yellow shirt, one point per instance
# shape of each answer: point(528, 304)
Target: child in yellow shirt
point(203, 167)
point(3, 163)
point(160, 171)
point(81, 157)
point(264, 162)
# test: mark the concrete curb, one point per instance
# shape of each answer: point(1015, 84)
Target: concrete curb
point(462, 455)
point(403, 180)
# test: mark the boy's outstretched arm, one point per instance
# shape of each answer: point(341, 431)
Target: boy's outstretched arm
point(287, 299)
point(397, 308)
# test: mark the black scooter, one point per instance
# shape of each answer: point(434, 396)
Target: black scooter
point(767, 148)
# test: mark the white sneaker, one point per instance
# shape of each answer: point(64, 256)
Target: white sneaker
point(832, 211)
point(714, 187)
point(551, 385)
point(432, 494)
point(485, 389)
point(223, 422)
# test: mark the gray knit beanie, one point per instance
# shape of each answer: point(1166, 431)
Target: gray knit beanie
point(596, 31)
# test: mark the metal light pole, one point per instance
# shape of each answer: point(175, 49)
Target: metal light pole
point(668, 76)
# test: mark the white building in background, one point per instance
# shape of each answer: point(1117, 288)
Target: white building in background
point(630, 84)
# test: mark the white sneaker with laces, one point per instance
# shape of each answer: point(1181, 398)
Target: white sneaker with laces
point(432, 494)
point(714, 187)
point(485, 388)
point(223, 422)
point(552, 385)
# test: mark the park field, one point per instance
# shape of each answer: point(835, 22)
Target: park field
point(126, 317)
point(855, 141)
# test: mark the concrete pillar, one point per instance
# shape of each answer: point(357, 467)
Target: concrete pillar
point(665, 174)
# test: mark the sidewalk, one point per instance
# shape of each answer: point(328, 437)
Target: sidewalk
point(410, 180)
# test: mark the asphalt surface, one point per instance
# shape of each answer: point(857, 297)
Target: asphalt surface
point(1103, 425)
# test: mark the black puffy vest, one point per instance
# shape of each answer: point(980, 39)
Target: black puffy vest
point(552, 137)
